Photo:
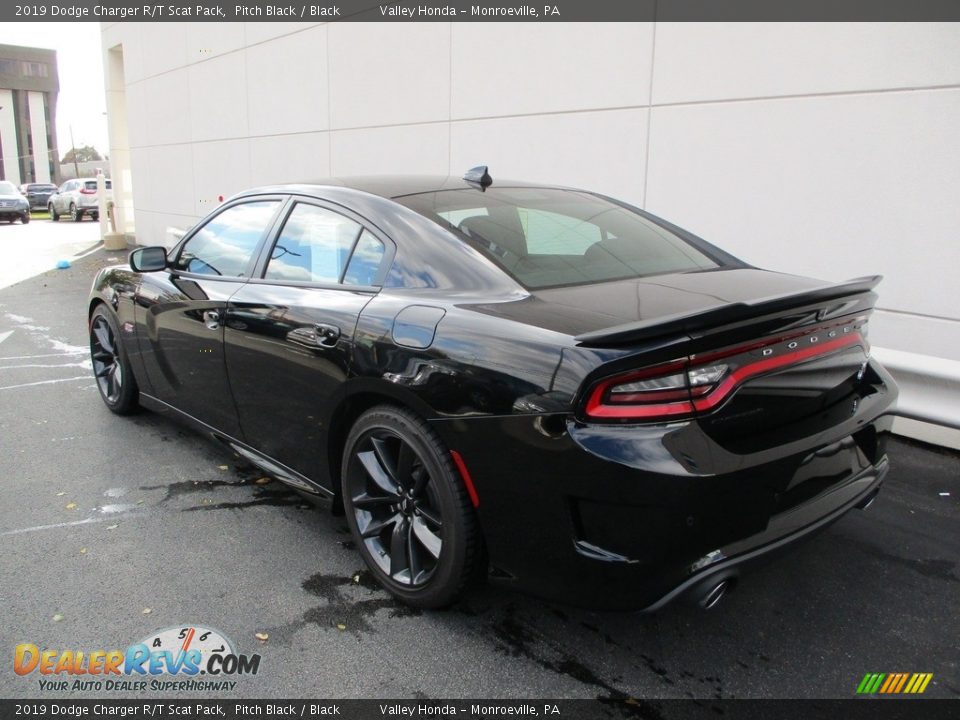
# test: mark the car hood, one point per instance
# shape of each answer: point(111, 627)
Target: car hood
point(586, 308)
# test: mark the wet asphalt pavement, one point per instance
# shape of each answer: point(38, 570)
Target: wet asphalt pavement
point(104, 517)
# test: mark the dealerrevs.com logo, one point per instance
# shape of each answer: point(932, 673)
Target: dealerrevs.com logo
point(182, 658)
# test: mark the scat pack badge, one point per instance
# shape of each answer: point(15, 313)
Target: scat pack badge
point(179, 658)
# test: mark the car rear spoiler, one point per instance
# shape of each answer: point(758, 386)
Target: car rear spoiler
point(684, 323)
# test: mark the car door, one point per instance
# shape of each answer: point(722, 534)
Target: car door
point(180, 312)
point(60, 194)
point(289, 332)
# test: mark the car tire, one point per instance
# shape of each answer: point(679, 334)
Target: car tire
point(111, 366)
point(54, 215)
point(95, 217)
point(24, 219)
point(408, 509)
point(75, 213)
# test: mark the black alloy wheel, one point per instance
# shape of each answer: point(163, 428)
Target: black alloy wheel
point(408, 510)
point(115, 380)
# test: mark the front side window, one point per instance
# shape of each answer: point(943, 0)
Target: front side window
point(315, 245)
point(225, 245)
point(545, 237)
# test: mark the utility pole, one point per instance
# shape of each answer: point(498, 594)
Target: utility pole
point(73, 147)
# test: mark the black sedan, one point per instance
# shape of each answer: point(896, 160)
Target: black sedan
point(535, 385)
point(38, 194)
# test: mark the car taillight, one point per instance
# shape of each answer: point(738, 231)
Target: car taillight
point(699, 383)
point(88, 191)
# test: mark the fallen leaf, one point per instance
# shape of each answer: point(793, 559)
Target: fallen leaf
point(262, 481)
point(147, 611)
point(140, 502)
point(223, 467)
point(61, 494)
point(112, 527)
point(58, 617)
point(261, 636)
point(356, 579)
point(83, 551)
point(341, 626)
point(71, 506)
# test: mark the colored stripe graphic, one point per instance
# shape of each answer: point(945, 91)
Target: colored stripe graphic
point(894, 683)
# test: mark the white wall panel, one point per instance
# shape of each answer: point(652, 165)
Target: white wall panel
point(259, 31)
point(289, 158)
point(166, 99)
point(600, 151)
point(825, 186)
point(405, 149)
point(520, 68)
point(389, 73)
point(283, 100)
point(219, 168)
point(163, 47)
point(209, 39)
point(715, 61)
point(218, 94)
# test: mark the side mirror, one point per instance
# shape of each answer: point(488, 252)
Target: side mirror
point(148, 259)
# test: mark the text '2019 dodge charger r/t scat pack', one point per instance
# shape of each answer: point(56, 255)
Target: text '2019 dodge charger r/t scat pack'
point(539, 385)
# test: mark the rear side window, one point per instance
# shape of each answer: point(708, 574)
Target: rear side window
point(313, 246)
point(225, 245)
point(321, 246)
point(546, 237)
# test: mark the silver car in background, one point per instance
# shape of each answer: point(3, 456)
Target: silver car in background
point(77, 198)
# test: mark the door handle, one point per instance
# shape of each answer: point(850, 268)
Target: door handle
point(212, 318)
point(327, 335)
point(315, 336)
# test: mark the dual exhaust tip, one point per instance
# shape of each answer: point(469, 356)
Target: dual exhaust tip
point(714, 593)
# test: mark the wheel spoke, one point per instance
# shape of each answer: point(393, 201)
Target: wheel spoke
point(430, 541)
point(377, 473)
point(375, 527)
point(431, 516)
point(420, 479)
point(386, 462)
point(103, 336)
point(104, 370)
point(416, 563)
point(398, 549)
point(365, 501)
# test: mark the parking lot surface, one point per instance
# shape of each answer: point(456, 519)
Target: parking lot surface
point(112, 528)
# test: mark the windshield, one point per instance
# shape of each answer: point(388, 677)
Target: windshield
point(548, 237)
point(7, 188)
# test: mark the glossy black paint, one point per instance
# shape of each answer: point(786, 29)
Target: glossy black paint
point(600, 514)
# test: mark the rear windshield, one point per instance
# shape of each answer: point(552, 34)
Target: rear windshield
point(548, 237)
point(92, 185)
point(41, 187)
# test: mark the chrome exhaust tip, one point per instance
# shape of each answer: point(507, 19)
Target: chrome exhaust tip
point(715, 594)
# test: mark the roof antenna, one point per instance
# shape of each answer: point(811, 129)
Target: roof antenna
point(479, 177)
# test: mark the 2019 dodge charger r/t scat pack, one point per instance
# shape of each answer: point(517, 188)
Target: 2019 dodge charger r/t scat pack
point(539, 385)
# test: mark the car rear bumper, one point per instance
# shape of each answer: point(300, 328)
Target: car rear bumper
point(633, 517)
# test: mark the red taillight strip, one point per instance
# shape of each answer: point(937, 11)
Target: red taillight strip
point(737, 377)
point(597, 408)
point(467, 480)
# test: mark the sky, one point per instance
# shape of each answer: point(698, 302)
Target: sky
point(81, 102)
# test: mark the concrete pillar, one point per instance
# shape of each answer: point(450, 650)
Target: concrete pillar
point(38, 130)
point(8, 138)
